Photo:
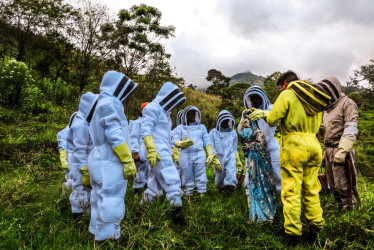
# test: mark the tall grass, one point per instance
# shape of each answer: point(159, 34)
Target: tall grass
point(35, 214)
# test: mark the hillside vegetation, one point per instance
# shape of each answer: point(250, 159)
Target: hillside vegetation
point(247, 77)
point(35, 214)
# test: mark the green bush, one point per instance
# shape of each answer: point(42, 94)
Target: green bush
point(56, 91)
point(14, 77)
point(34, 100)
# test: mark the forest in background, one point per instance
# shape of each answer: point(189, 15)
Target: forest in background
point(51, 53)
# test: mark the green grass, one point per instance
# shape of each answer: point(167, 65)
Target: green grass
point(35, 214)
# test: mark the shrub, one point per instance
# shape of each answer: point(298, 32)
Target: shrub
point(14, 77)
point(56, 91)
point(33, 101)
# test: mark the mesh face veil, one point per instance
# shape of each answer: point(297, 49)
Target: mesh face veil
point(196, 120)
point(225, 121)
point(256, 90)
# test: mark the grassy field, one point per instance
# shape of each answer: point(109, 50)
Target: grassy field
point(35, 214)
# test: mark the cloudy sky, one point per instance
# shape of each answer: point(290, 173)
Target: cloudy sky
point(314, 38)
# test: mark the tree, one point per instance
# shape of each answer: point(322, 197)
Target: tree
point(87, 34)
point(270, 86)
point(30, 18)
point(135, 39)
point(193, 87)
point(218, 81)
point(365, 73)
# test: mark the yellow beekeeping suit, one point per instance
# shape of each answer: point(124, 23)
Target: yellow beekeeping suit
point(300, 159)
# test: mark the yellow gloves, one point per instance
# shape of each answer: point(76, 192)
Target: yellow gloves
point(175, 155)
point(257, 114)
point(125, 157)
point(217, 164)
point(183, 144)
point(209, 154)
point(239, 164)
point(85, 177)
point(64, 160)
point(151, 148)
point(345, 145)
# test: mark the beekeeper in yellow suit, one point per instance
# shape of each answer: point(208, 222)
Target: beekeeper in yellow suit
point(298, 110)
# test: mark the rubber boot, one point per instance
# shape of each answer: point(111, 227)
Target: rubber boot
point(177, 216)
point(77, 216)
point(291, 240)
point(313, 234)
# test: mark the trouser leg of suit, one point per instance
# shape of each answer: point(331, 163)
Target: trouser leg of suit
point(220, 176)
point(200, 177)
point(110, 187)
point(79, 197)
point(301, 157)
point(94, 210)
point(187, 172)
point(230, 173)
point(338, 181)
point(154, 188)
point(164, 176)
point(141, 176)
point(66, 186)
point(275, 163)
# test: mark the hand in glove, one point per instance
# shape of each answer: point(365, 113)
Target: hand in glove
point(183, 144)
point(175, 155)
point(345, 145)
point(239, 164)
point(123, 153)
point(217, 164)
point(151, 148)
point(85, 177)
point(209, 154)
point(64, 160)
point(257, 114)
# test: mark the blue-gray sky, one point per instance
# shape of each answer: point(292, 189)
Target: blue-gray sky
point(314, 38)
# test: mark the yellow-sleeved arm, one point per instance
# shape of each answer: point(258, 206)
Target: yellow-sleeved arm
point(279, 110)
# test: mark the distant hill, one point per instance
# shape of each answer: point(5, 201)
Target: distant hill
point(247, 77)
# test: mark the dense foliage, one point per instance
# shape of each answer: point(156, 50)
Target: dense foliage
point(51, 53)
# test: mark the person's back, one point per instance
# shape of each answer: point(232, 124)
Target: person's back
point(292, 116)
point(80, 144)
point(301, 157)
point(139, 152)
point(298, 110)
point(110, 162)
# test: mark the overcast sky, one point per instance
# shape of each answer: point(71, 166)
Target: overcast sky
point(316, 38)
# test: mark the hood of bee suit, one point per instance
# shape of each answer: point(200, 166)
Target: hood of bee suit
point(197, 118)
point(179, 117)
point(182, 118)
point(223, 116)
point(332, 87)
point(256, 90)
point(72, 118)
point(313, 99)
point(87, 105)
point(170, 96)
point(117, 85)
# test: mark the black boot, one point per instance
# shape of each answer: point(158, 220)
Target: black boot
point(77, 216)
point(313, 234)
point(229, 190)
point(138, 191)
point(291, 240)
point(178, 217)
